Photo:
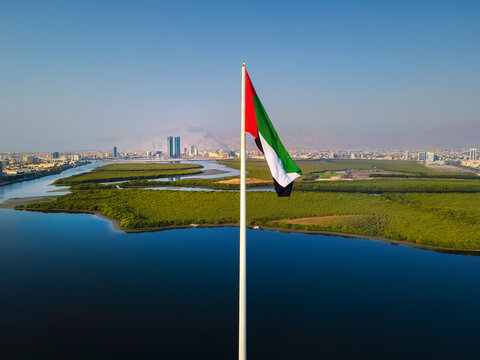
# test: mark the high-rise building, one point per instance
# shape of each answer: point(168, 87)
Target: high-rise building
point(406, 155)
point(114, 151)
point(177, 146)
point(1, 169)
point(55, 155)
point(170, 148)
point(422, 156)
point(192, 149)
point(430, 158)
point(473, 154)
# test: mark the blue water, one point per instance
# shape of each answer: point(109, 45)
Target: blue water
point(72, 287)
point(43, 186)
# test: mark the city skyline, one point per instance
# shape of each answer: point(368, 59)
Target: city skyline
point(330, 75)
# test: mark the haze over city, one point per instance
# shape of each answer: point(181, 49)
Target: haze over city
point(90, 75)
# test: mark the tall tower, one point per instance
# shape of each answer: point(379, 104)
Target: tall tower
point(473, 154)
point(114, 151)
point(177, 146)
point(1, 169)
point(170, 148)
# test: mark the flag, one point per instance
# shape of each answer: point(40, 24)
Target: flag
point(257, 123)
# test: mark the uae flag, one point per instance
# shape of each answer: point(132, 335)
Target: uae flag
point(257, 123)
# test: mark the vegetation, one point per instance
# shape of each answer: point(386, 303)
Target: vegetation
point(92, 186)
point(311, 168)
point(447, 175)
point(450, 220)
point(374, 186)
point(120, 172)
point(378, 186)
point(205, 183)
point(413, 203)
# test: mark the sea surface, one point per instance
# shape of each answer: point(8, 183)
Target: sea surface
point(73, 287)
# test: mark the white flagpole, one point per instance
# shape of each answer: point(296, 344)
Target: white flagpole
point(242, 318)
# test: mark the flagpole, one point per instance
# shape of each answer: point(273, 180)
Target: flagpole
point(242, 313)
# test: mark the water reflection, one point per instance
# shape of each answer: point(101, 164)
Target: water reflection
point(73, 287)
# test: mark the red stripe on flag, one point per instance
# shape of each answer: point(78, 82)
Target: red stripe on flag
point(250, 117)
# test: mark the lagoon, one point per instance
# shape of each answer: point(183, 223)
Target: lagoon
point(74, 287)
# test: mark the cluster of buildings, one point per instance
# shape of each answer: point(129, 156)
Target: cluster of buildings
point(449, 157)
point(174, 151)
point(473, 160)
point(23, 163)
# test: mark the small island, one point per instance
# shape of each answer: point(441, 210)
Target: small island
point(403, 201)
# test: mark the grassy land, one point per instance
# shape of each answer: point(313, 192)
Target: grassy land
point(119, 172)
point(312, 168)
point(374, 186)
point(450, 220)
point(205, 183)
point(378, 186)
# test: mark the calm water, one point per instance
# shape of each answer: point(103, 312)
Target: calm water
point(42, 186)
point(73, 287)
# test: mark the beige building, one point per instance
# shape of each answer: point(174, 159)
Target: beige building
point(471, 163)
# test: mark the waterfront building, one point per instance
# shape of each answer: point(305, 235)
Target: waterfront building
point(170, 148)
point(422, 156)
point(177, 146)
point(473, 154)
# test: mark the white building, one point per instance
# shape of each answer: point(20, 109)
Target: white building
point(430, 157)
point(422, 156)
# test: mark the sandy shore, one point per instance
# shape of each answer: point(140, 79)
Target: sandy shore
point(247, 180)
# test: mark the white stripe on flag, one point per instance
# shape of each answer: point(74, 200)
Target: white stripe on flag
point(275, 164)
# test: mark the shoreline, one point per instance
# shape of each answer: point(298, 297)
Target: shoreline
point(116, 226)
point(38, 175)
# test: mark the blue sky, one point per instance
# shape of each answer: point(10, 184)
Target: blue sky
point(338, 74)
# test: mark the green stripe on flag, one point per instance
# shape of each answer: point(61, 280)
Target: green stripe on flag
point(268, 132)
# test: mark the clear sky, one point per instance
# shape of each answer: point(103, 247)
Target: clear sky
point(332, 74)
